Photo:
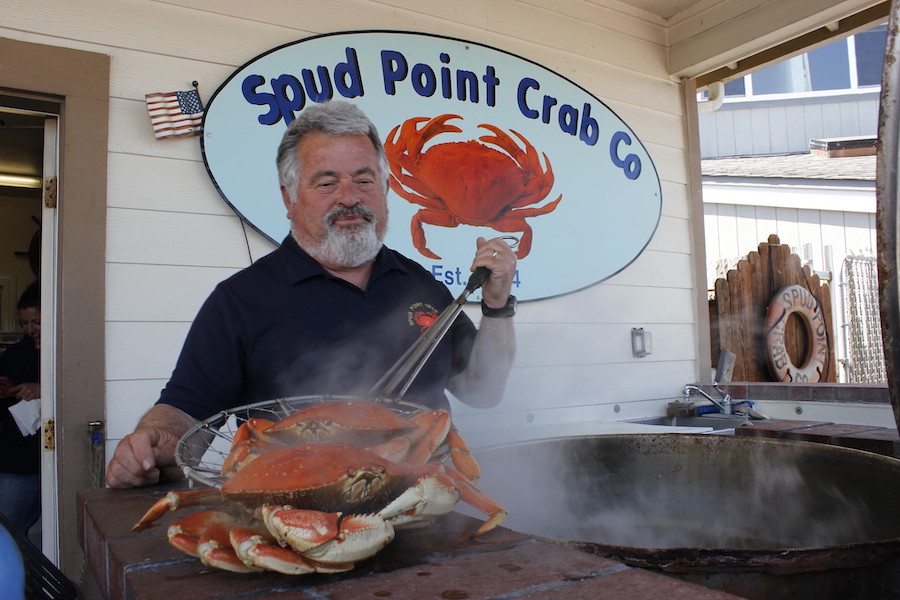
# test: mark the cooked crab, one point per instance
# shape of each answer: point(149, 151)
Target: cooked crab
point(331, 505)
point(412, 440)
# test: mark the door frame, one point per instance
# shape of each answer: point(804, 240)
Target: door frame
point(49, 307)
point(79, 80)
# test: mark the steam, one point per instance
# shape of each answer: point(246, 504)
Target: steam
point(673, 491)
point(349, 357)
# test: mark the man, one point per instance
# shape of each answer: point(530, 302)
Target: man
point(330, 310)
point(20, 452)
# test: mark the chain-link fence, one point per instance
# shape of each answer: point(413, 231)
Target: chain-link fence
point(862, 321)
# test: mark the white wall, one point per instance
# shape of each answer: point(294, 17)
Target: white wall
point(740, 216)
point(171, 237)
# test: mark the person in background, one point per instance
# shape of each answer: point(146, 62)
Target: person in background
point(330, 310)
point(20, 365)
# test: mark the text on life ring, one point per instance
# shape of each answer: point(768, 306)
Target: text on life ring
point(794, 299)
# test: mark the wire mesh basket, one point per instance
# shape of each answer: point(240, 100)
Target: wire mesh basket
point(201, 452)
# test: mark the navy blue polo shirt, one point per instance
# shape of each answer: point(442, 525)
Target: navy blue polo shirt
point(286, 327)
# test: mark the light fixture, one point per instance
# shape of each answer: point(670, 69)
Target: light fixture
point(641, 342)
point(20, 181)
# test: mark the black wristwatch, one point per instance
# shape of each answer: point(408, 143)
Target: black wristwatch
point(499, 313)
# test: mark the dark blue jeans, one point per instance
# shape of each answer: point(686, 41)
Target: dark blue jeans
point(20, 499)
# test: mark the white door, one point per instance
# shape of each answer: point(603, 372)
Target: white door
point(49, 488)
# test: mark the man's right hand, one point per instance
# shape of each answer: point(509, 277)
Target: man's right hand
point(139, 458)
point(147, 455)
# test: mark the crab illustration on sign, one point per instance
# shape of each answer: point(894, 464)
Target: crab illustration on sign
point(468, 183)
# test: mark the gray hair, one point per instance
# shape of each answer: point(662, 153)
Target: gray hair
point(331, 118)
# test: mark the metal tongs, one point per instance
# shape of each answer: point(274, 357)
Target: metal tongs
point(394, 383)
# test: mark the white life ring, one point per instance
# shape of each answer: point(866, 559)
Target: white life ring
point(794, 299)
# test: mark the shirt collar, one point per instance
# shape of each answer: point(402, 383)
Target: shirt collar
point(299, 265)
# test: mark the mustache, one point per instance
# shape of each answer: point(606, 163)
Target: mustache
point(345, 211)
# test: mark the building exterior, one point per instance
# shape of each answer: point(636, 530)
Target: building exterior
point(761, 177)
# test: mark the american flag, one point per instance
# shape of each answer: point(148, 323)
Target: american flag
point(175, 114)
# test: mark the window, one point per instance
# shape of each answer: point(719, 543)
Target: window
point(846, 64)
point(829, 67)
point(735, 87)
point(790, 76)
point(870, 47)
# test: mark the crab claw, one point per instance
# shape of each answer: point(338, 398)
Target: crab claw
point(250, 429)
point(328, 537)
point(204, 535)
point(429, 497)
point(256, 546)
point(435, 493)
point(247, 444)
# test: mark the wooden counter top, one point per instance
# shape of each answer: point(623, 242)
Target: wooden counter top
point(439, 561)
point(880, 440)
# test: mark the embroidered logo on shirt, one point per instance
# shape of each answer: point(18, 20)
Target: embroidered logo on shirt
point(422, 315)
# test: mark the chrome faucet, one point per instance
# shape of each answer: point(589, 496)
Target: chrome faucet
point(724, 404)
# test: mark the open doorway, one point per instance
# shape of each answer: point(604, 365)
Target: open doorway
point(76, 84)
point(22, 156)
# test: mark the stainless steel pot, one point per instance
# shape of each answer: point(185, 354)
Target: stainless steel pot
point(757, 517)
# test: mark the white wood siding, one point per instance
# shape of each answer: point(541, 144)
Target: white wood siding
point(171, 237)
point(785, 126)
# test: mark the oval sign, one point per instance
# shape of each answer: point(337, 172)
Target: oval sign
point(481, 143)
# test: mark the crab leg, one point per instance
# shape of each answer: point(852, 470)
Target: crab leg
point(430, 217)
point(478, 499)
point(204, 535)
point(404, 150)
point(462, 459)
point(435, 427)
point(173, 501)
point(432, 428)
point(474, 497)
point(414, 139)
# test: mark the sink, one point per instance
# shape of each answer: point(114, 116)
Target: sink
point(715, 421)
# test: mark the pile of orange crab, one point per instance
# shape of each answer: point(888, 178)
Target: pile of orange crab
point(325, 488)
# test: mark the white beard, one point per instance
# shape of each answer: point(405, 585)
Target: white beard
point(347, 247)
